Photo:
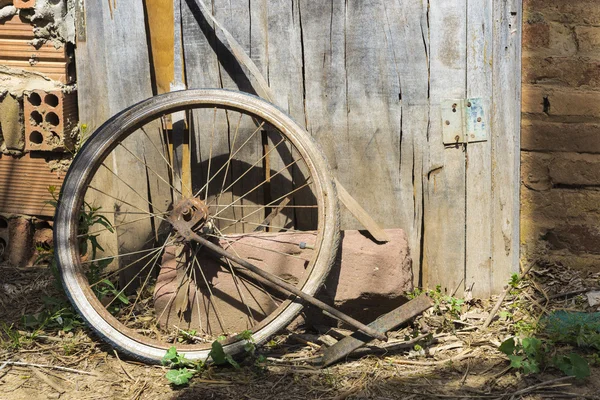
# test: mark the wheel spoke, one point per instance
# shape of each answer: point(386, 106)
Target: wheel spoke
point(119, 225)
point(149, 169)
point(165, 159)
point(241, 221)
point(124, 202)
point(212, 296)
point(266, 205)
point(247, 171)
point(134, 191)
point(141, 289)
point(257, 186)
point(230, 158)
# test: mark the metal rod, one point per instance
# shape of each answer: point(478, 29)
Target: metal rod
point(280, 283)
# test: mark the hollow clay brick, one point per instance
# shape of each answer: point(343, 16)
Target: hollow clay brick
point(49, 120)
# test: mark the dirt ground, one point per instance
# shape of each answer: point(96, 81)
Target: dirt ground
point(456, 360)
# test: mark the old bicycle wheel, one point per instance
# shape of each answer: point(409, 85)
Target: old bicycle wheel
point(221, 164)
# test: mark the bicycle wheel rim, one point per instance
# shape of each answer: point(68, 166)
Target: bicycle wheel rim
point(100, 145)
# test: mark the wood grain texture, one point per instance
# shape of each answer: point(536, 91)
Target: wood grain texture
point(366, 79)
point(444, 232)
point(161, 27)
point(113, 73)
point(505, 140)
point(408, 39)
point(478, 274)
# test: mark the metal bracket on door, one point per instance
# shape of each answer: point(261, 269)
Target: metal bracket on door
point(463, 121)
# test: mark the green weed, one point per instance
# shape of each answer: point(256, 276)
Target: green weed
point(183, 369)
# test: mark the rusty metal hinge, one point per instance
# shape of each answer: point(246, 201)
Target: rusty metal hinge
point(463, 121)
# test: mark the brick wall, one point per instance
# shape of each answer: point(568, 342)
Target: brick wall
point(560, 156)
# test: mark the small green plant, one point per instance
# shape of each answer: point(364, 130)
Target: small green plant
point(525, 354)
point(11, 338)
point(182, 369)
point(531, 355)
point(445, 303)
point(58, 312)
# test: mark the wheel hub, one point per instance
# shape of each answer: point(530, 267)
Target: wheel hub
point(188, 216)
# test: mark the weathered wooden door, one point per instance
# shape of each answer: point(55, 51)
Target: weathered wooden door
point(369, 79)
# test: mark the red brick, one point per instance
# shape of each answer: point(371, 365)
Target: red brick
point(19, 251)
point(575, 169)
point(534, 170)
point(536, 35)
point(566, 11)
point(539, 135)
point(18, 52)
point(24, 3)
point(49, 120)
point(588, 39)
point(561, 102)
point(565, 71)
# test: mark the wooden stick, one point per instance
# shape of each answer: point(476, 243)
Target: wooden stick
point(47, 380)
point(24, 364)
point(122, 367)
point(494, 311)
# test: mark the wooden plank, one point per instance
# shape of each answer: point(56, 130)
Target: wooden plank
point(118, 39)
point(505, 140)
point(478, 274)
point(408, 36)
point(444, 213)
point(368, 164)
point(161, 21)
point(324, 80)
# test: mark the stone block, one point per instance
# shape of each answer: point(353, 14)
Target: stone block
point(368, 280)
point(588, 39)
point(11, 125)
point(50, 118)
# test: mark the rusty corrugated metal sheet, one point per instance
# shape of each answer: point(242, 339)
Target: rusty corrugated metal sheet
point(24, 185)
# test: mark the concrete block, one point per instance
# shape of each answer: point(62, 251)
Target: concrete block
point(11, 125)
point(49, 120)
point(368, 280)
